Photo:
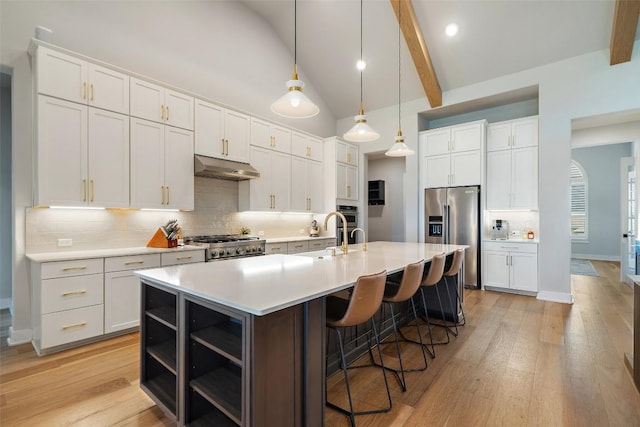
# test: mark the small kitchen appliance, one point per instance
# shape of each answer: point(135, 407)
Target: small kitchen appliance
point(314, 231)
point(218, 247)
point(500, 229)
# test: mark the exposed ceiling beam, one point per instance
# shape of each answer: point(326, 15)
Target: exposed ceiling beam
point(623, 34)
point(419, 52)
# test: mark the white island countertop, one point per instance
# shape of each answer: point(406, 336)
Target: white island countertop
point(265, 284)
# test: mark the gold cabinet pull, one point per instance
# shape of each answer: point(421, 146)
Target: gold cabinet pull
point(162, 112)
point(76, 325)
point(83, 267)
point(84, 190)
point(222, 142)
point(91, 190)
point(167, 113)
point(227, 145)
point(180, 258)
point(348, 157)
point(66, 294)
point(84, 90)
point(92, 91)
point(273, 142)
point(168, 195)
point(348, 191)
point(162, 191)
point(133, 262)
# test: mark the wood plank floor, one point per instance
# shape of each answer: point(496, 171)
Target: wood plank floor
point(518, 362)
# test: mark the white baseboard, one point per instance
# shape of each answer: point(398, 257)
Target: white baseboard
point(21, 336)
point(5, 303)
point(597, 257)
point(562, 297)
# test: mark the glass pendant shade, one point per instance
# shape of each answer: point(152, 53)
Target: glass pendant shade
point(399, 148)
point(294, 103)
point(361, 131)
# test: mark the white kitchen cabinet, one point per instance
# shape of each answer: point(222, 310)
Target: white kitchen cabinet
point(221, 133)
point(511, 265)
point(510, 134)
point(306, 185)
point(346, 182)
point(272, 191)
point(306, 146)
point(161, 166)
point(83, 155)
point(298, 247)
point(318, 244)
point(159, 104)
point(347, 153)
point(270, 136)
point(122, 290)
point(68, 77)
point(275, 248)
point(452, 156)
point(512, 165)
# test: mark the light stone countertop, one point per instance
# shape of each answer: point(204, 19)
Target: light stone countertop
point(104, 253)
point(512, 240)
point(265, 284)
point(296, 239)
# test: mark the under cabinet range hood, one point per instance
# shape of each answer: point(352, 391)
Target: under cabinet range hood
point(211, 167)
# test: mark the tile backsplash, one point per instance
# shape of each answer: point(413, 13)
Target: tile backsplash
point(216, 212)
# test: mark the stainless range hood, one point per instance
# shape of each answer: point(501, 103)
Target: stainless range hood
point(224, 169)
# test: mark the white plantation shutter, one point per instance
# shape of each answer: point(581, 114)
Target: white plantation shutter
point(579, 199)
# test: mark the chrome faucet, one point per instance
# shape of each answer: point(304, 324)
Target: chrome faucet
point(364, 237)
point(345, 246)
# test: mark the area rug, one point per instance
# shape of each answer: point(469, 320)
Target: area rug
point(583, 267)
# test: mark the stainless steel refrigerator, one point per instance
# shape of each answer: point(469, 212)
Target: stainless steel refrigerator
point(452, 216)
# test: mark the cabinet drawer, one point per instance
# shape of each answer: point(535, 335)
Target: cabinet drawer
point(133, 262)
point(71, 292)
point(182, 257)
point(275, 248)
point(316, 245)
point(296, 247)
point(507, 246)
point(71, 325)
point(79, 267)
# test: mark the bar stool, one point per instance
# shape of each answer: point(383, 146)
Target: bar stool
point(396, 293)
point(436, 269)
point(364, 302)
point(452, 273)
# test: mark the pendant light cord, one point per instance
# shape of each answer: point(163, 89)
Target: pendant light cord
point(295, 32)
point(399, 63)
point(361, 70)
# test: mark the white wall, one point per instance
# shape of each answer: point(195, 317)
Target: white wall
point(386, 222)
point(578, 87)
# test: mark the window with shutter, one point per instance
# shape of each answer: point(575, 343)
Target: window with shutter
point(579, 202)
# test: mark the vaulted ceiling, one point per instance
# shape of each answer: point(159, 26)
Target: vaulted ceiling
point(495, 38)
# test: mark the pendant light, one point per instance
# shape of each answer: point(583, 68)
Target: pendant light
point(361, 131)
point(399, 148)
point(294, 103)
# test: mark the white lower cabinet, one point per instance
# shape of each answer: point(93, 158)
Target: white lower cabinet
point(511, 265)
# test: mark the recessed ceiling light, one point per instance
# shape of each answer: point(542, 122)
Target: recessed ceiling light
point(451, 29)
point(361, 65)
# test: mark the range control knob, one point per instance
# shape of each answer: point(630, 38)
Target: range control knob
point(229, 251)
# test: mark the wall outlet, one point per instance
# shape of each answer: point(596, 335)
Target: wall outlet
point(260, 233)
point(301, 231)
point(65, 242)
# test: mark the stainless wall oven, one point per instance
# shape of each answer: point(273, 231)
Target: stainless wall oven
point(351, 215)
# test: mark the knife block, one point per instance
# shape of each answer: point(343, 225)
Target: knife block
point(159, 240)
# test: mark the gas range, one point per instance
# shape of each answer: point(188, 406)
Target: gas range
point(220, 247)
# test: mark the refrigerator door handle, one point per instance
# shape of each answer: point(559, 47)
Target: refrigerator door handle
point(447, 231)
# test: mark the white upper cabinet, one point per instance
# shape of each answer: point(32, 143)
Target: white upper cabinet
point(306, 146)
point(67, 77)
point(306, 185)
point(156, 103)
point(512, 164)
point(347, 182)
point(346, 153)
point(161, 166)
point(221, 133)
point(272, 191)
point(519, 133)
point(83, 155)
point(270, 136)
point(452, 156)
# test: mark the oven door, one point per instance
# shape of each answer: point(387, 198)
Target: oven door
point(350, 240)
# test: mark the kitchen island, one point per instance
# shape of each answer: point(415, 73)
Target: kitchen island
point(241, 342)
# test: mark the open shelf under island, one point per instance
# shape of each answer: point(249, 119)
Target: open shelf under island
point(242, 341)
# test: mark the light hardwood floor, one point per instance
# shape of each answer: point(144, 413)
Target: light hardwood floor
point(518, 362)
